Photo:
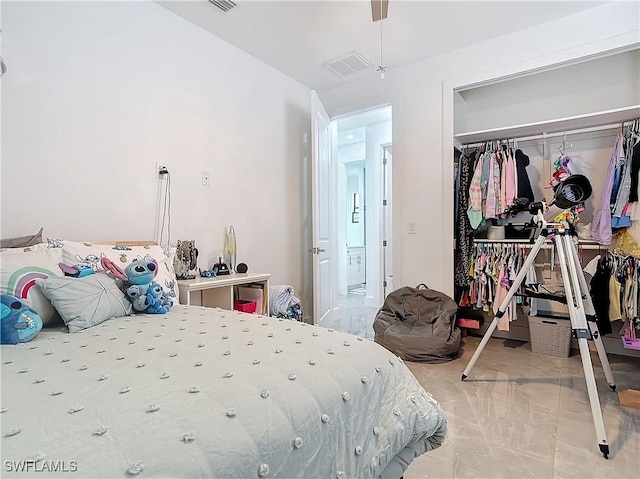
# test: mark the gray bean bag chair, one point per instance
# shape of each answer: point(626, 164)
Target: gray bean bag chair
point(419, 324)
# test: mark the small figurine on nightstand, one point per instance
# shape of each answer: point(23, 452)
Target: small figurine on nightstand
point(209, 273)
point(186, 259)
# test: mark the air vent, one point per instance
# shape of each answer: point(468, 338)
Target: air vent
point(347, 64)
point(224, 5)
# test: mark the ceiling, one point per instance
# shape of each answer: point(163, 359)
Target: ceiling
point(297, 37)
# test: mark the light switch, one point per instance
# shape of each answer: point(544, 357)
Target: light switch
point(412, 228)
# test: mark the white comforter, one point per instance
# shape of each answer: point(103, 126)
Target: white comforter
point(211, 393)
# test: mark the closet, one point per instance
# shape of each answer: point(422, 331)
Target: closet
point(573, 112)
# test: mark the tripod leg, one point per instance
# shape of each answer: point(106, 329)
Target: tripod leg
point(505, 304)
point(593, 326)
point(582, 332)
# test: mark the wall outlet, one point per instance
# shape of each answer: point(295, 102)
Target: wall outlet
point(205, 179)
point(159, 168)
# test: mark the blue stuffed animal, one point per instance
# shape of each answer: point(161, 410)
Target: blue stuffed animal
point(139, 285)
point(20, 323)
point(158, 301)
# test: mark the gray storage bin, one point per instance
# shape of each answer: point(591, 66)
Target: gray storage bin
point(550, 336)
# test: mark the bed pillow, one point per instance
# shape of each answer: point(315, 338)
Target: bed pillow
point(21, 241)
point(75, 252)
point(19, 269)
point(87, 301)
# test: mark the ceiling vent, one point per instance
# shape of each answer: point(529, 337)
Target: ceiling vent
point(347, 64)
point(224, 5)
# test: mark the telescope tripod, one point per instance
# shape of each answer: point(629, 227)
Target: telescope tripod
point(581, 314)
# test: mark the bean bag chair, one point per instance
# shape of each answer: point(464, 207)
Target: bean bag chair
point(419, 324)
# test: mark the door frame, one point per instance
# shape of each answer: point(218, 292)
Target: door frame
point(386, 220)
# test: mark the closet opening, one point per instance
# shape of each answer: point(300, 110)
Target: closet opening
point(565, 119)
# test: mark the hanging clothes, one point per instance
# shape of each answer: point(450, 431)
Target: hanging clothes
point(464, 232)
point(474, 212)
point(614, 290)
point(635, 169)
point(625, 187)
point(493, 269)
point(600, 296)
point(492, 200)
point(494, 185)
point(524, 184)
point(511, 180)
point(601, 225)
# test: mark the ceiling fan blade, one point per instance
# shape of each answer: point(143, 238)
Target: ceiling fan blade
point(379, 12)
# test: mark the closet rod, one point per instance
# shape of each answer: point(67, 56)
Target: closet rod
point(549, 135)
point(584, 244)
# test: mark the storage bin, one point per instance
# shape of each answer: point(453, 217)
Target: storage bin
point(245, 306)
point(550, 336)
point(496, 233)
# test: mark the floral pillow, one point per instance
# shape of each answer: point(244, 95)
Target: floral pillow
point(90, 254)
point(19, 270)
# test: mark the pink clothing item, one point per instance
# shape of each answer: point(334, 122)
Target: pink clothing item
point(503, 183)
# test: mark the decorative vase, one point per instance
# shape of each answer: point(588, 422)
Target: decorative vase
point(231, 249)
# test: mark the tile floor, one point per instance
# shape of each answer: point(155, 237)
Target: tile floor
point(519, 414)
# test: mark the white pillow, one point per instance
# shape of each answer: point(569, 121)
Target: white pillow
point(74, 252)
point(85, 302)
point(19, 269)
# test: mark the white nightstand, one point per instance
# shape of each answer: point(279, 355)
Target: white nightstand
point(219, 292)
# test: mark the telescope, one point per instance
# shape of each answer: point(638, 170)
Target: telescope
point(571, 192)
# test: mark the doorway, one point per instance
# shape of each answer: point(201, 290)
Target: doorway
point(362, 222)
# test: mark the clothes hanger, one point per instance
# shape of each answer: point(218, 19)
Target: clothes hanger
point(634, 131)
point(565, 145)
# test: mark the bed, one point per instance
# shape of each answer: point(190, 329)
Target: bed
point(206, 392)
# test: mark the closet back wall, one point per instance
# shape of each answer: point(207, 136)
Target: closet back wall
point(97, 93)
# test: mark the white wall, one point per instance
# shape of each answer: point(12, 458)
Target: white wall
point(422, 98)
point(97, 92)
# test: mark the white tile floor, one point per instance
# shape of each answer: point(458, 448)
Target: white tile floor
point(519, 414)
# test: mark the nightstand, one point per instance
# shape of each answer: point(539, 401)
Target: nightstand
point(219, 292)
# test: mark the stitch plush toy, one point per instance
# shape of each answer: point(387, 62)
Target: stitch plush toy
point(158, 301)
point(20, 323)
point(139, 286)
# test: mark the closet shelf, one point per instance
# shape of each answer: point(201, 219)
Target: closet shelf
point(577, 122)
